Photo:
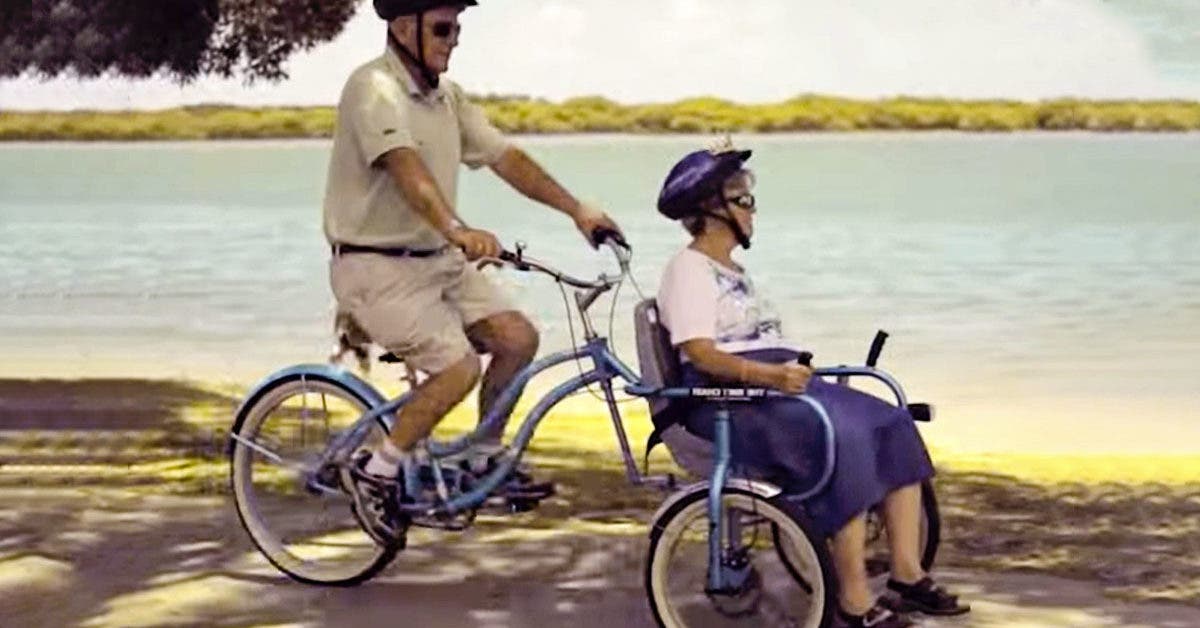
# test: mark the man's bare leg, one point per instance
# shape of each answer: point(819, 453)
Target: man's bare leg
point(370, 478)
point(432, 400)
point(512, 342)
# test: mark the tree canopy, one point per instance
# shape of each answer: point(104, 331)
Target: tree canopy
point(180, 38)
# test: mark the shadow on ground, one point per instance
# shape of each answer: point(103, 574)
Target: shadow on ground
point(139, 556)
point(99, 404)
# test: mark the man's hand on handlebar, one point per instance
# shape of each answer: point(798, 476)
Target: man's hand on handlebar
point(596, 226)
point(475, 243)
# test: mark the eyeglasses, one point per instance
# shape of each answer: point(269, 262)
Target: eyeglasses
point(744, 201)
point(443, 30)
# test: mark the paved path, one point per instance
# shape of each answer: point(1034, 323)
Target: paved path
point(115, 558)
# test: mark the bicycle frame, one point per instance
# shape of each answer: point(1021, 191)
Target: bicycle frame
point(605, 366)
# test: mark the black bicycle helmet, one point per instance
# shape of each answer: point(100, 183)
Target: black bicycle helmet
point(391, 9)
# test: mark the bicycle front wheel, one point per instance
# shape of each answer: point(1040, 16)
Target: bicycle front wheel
point(677, 569)
point(294, 511)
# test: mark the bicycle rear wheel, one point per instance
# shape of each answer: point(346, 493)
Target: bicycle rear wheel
point(295, 513)
point(676, 572)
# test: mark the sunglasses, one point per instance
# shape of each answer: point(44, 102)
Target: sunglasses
point(443, 30)
point(744, 201)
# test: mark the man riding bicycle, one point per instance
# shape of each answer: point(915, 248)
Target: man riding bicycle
point(401, 267)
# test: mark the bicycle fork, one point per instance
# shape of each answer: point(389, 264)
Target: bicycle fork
point(723, 576)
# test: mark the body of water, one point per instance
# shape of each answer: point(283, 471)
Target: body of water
point(1042, 290)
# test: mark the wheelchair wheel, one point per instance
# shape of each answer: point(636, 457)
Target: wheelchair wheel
point(296, 514)
point(677, 566)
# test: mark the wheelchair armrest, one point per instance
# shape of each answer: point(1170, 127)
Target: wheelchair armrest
point(845, 372)
point(702, 393)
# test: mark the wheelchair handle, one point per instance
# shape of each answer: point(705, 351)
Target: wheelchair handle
point(876, 347)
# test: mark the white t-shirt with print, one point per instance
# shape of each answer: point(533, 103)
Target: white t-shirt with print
point(700, 298)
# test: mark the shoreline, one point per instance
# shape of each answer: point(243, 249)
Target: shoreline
point(809, 114)
point(583, 137)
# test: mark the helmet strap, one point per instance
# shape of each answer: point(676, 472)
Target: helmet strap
point(733, 225)
point(418, 59)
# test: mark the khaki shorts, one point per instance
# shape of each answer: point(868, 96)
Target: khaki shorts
point(417, 308)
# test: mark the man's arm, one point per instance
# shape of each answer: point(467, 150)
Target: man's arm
point(422, 194)
point(524, 174)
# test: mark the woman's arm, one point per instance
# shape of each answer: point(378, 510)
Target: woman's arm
point(703, 353)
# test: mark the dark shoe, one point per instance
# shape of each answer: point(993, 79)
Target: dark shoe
point(926, 597)
point(375, 501)
point(878, 616)
point(519, 485)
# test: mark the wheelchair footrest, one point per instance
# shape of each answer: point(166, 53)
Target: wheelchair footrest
point(921, 412)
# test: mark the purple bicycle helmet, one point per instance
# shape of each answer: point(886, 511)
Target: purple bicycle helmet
point(696, 178)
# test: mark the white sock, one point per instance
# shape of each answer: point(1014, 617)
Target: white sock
point(385, 461)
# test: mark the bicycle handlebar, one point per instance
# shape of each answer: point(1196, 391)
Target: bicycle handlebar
point(612, 239)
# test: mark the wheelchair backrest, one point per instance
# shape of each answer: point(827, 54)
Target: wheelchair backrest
point(658, 360)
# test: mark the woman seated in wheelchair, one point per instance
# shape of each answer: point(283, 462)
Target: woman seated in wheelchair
point(726, 333)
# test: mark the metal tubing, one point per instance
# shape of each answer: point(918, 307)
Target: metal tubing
point(844, 373)
point(492, 481)
point(504, 405)
point(719, 474)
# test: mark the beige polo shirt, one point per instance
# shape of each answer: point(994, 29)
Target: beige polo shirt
point(382, 109)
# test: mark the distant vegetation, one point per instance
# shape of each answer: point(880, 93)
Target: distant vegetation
point(596, 115)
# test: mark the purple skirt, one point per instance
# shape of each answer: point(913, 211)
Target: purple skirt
point(877, 446)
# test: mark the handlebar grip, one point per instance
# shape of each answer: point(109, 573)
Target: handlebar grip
point(602, 233)
point(876, 347)
point(805, 358)
point(514, 259)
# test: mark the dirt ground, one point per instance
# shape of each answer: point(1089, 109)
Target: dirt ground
point(123, 558)
point(114, 512)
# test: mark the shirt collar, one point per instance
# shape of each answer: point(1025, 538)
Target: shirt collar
point(396, 65)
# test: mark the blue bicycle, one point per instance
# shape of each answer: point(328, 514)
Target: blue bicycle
point(757, 559)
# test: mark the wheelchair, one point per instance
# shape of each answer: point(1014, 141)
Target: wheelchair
point(741, 520)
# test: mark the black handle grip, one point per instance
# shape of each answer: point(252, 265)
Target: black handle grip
point(514, 259)
point(603, 233)
point(805, 358)
point(876, 347)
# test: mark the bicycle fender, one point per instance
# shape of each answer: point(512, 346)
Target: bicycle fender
point(766, 490)
point(328, 372)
